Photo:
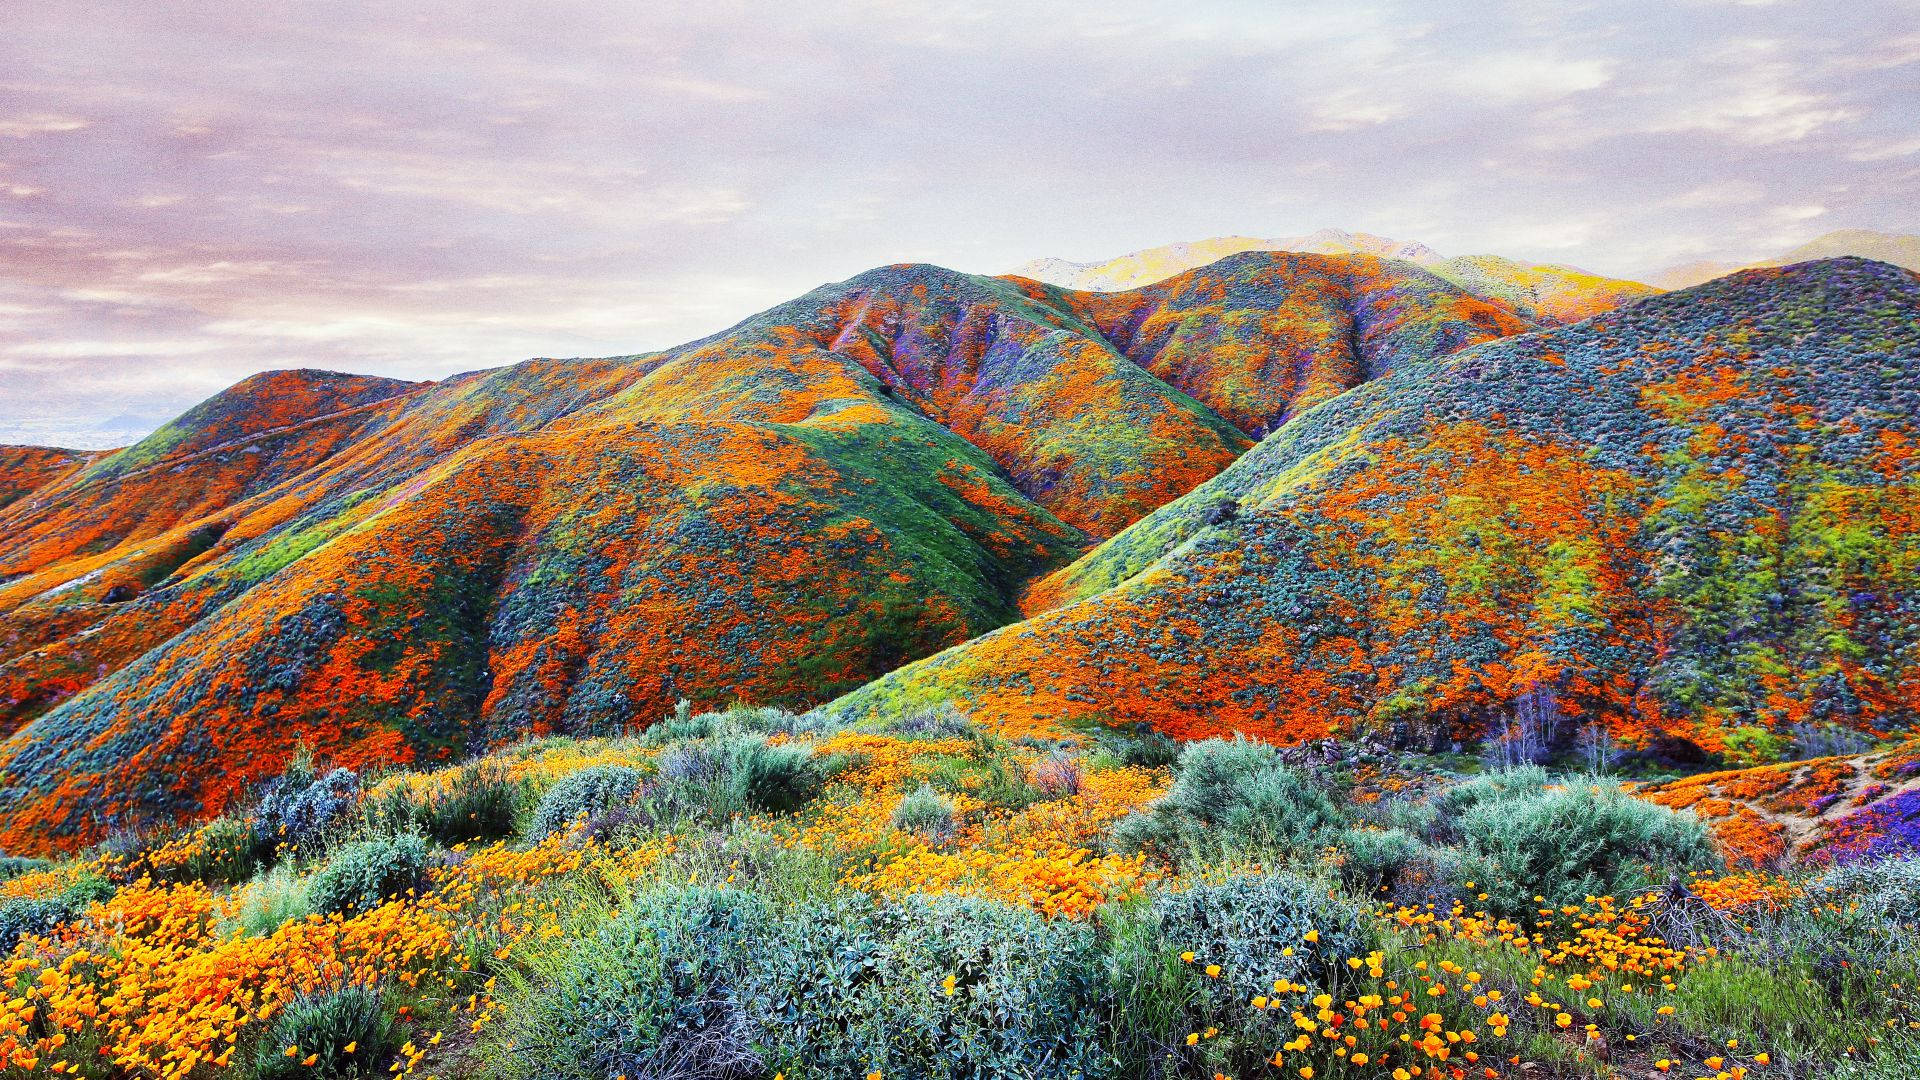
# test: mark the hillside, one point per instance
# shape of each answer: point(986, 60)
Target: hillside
point(1831, 810)
point(390, 571)
point(1684, 518)
point(1546, 295)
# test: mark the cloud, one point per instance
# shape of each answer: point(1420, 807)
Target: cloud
point(26, 127)
point(194, 191)
point(1532, 76)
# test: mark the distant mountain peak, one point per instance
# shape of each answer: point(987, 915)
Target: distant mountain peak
point(1547, 294)
point(1898, 249)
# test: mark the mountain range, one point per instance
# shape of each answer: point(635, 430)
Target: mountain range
point(1283, 493)
point(1547, 295)
point(1899, 249)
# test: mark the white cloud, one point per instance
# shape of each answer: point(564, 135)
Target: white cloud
point(25, 127)
point(1530, 76)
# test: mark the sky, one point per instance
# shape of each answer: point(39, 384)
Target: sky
point(192, 192)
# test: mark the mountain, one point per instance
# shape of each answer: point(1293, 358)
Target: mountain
point(1547, 295)
point(1149, 265)
point(25, 469)
point(386, 571)
point(1694, 517)
point(1898, 249)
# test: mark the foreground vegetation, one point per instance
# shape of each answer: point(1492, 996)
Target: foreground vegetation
point(759, 894)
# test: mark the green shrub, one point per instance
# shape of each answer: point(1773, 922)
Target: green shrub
point(1255, 928)
point(777, 779)
point(925, 811)
point(993, 771)
point(34, 915)
point(1139, 745)
point(1752, 745)
point(1886, 892)
point(868, 991)
point(227, 851)
point(325, 1025)
point(274, 899)
point(703, 982)
point(482, 802)
point(680, 727)
point(584, 794)
point(1232, 799)
point(654, 992)
point(1565, 845)
point(1450, 805)
point(1372, 860)
point(12, 866)
point(363, 875)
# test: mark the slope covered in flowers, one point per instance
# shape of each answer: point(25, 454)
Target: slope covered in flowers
point(396, 571)
point(24, 469)
point(1686, 519)
point(1843, 809)
point(1262, 336)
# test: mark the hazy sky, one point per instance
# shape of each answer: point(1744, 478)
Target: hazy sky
point(191, 192)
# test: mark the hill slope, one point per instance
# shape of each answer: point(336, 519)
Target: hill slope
point(392, 571)
point(1688, 516)
point(1842, 809)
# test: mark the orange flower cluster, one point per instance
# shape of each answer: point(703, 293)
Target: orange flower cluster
point(884, 761)
point(1754, 891)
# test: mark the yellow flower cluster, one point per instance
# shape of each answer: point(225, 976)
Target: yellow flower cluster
point(539, 762)
point(1039, 856)
point(152, 985)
